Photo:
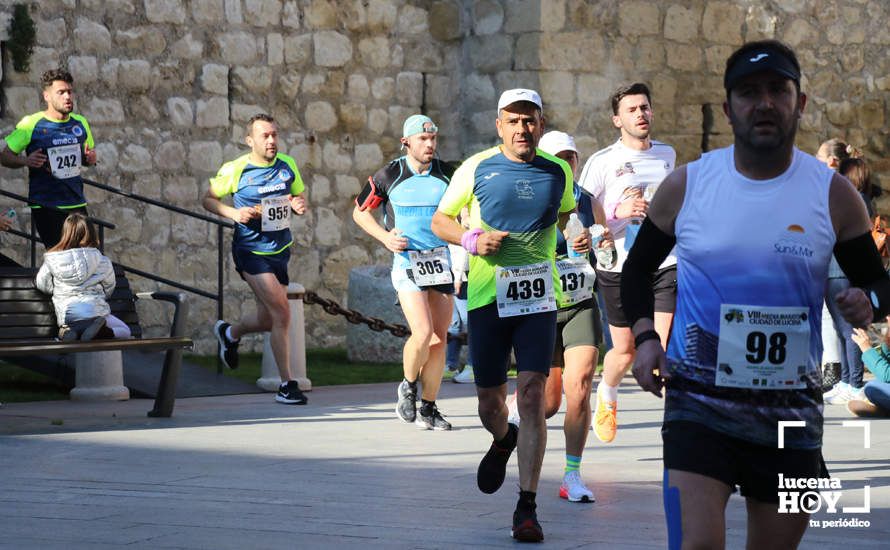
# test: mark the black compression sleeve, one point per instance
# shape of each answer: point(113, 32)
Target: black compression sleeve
point(861, 263)
point(650, 248)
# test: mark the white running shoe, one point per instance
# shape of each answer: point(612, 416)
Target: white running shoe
point(512, 409)
point(838, 395)
point(573, 488)
point(465, 376)
point(856, 394)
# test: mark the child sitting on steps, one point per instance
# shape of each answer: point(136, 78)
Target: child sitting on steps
point(80, 279)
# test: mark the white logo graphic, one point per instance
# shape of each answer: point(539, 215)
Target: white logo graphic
point(808, 495)
point(489, 176)
point(77, 131)
point(759, 57)
point(524, 190)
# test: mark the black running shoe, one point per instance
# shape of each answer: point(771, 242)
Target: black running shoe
point(228, 350)
point(526, 527)
point(290, 394)
point(493, 467)
point(406, 408)
point(432, 421)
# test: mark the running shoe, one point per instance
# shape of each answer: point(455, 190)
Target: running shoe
point(228, 350)
point(573, 488)
point(866, 409)
point(406, 408)
point(512, 410)
point(493, 467)
point(526, 527)
point(838, 395)
point(432, 421)
point(856, 394)
point(289, 393)
point(605, 419)
point(465, 376)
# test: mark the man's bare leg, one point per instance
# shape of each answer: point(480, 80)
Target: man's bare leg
point(273, 315)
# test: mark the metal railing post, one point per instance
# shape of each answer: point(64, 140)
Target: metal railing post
point(33, 242)
point(219, 285)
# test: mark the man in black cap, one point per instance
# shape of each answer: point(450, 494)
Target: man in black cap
point(754, 226)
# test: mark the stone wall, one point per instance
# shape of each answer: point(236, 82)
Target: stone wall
point(168, 84)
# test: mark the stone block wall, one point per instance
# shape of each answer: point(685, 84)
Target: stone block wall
point(168, 84)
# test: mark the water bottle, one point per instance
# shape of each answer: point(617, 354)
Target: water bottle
point(605, 256)
point(573, 230)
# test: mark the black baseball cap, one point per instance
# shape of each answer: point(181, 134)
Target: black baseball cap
point(762, 58)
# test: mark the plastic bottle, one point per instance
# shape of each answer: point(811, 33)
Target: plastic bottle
point(605, 256)
point(574, 228)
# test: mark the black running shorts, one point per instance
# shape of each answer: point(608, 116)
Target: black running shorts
point(531, 338)
point(254, 264)
point(755, 469)
point(664, 284)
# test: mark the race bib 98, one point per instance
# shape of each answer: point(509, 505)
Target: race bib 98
point(763, 347)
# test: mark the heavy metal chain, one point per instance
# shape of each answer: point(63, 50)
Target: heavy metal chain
point(356, 317)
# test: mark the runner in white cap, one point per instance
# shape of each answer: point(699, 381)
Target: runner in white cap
point(578, 330)
point(517, 196)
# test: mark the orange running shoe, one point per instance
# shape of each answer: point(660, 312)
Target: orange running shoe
point(605, 419)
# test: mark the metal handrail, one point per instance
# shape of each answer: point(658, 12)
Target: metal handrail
point(161, 204)
point(219, 223)
point(102, 224)
point(98, 221)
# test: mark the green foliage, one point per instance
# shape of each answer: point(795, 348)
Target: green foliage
point(22, 36)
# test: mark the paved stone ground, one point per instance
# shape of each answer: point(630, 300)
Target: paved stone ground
point(244, 472)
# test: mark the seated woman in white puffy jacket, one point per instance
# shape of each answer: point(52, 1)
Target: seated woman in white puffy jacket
point(80, 279)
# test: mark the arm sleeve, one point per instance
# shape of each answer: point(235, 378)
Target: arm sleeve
point(877, 362)
point(19, 139)
point(460, 191)
point(86, 126)
point(225, 182)
point(44, 280)
point(109, 280)
point(297, 186)
point(651, 248)
point(861, 263)
point(567, 204)
point(591, 179)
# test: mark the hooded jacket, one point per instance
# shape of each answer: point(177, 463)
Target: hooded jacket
point(79, 279)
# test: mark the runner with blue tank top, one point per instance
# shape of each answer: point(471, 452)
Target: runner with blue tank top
point(754, 226)
point(518, 197)
point(265, 186)
point(55, 144)
point(409, 189)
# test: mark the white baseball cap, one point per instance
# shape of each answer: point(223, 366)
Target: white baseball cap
point(555, 142)
point(519, 94)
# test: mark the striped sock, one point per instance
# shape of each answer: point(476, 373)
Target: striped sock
point(573, 463)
